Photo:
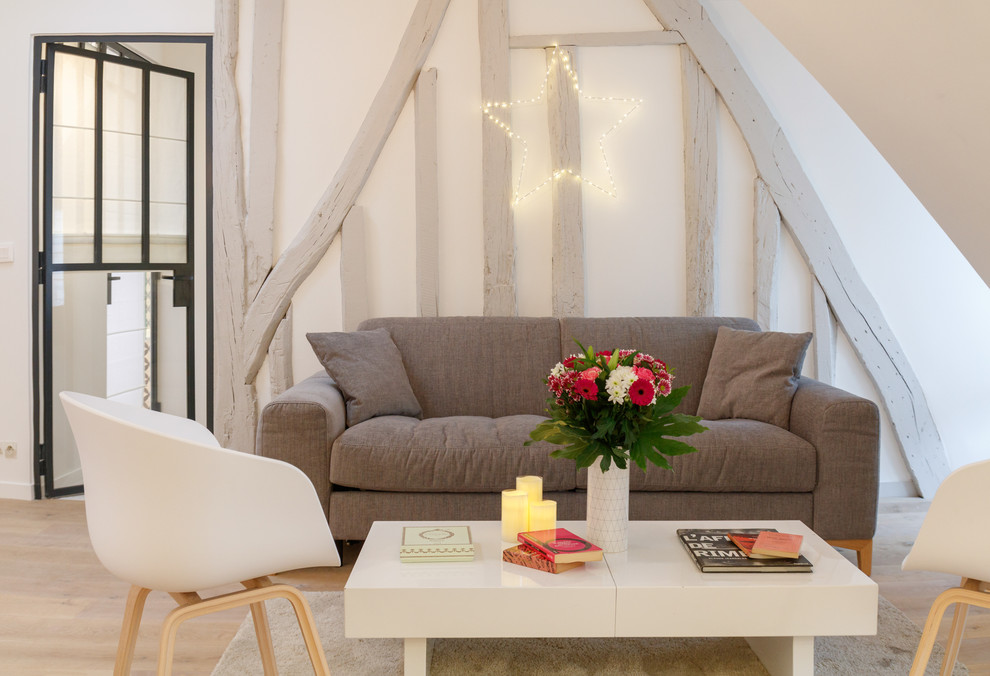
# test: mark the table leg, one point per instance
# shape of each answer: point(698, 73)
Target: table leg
point(417, 657)
point(785, 655)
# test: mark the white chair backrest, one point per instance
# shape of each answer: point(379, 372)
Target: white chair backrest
point(169, 509)
point(952, 538)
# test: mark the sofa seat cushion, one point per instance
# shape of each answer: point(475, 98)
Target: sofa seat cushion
point(739, 456)
point(458, 454)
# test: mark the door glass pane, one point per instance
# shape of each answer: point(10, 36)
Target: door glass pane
point(127, 338)
point(168, 168)
point(73, 158)
point(122, 98)
point(169, 350)
point(114, 335)
point(168, 106)
point(78, 360)
point(122, 166)
point(75, 83)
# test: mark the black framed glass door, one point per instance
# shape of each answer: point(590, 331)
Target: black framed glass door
point(116, 245)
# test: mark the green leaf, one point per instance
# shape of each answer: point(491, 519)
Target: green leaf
point(657, 459)
point(672, 447)
point(613, 361)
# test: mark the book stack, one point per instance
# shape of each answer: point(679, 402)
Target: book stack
point(553, 551)
point(431, 544)
point(748, 550)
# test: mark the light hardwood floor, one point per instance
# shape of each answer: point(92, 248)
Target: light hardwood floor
point(60, 611)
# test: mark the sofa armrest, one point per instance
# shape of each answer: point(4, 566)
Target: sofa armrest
point(845, 431)
point(300, 425)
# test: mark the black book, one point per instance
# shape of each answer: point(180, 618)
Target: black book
point(713, 552)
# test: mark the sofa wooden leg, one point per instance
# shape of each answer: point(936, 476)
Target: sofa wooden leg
point(863, 549)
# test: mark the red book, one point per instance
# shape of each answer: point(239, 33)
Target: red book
point(561, 545)
point(524, 555)
point(784, 545)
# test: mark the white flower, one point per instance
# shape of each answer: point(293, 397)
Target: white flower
point(558, 370)
point(618, 382)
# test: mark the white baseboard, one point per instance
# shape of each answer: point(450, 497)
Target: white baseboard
point(897, 489)
point(12, 491)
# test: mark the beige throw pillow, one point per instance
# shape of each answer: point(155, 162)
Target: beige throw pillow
point(753, 374)
point(368, 369)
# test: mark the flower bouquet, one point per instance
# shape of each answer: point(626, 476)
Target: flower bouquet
point(615, 406)
point(611, 407)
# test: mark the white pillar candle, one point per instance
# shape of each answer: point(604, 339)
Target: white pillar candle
point(515, 513)
point(533, 485)
point(543, 515)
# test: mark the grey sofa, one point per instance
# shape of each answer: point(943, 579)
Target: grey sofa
point(479, 382)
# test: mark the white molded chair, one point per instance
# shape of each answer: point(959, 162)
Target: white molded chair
point(952, 541)
point(168, 509)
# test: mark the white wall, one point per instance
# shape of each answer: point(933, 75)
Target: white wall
point(21, 22)
point(335, 57)
point(936, 304)
point(922, 101)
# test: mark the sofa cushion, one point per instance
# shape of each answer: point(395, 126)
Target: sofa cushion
point(735, 456)
point(368, 369)
point(753, 374)
point(487, 366)
point(461, 454)
point(683, 343)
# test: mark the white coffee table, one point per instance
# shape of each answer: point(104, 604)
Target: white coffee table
point(653, 589)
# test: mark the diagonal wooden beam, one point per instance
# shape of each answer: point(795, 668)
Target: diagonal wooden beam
point(314, 238)
point(805, 215)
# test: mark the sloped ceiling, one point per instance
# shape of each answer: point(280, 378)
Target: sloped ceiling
point(914, 75)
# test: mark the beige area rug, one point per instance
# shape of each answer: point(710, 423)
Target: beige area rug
point(889, 652)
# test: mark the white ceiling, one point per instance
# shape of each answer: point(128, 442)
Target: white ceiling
point(914, 75)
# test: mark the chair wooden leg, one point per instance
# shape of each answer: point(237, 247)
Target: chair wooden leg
point(307, 625)
point(264, 635)
point(955, 638)
point(927, 640)
point(129, 630)
point(956, 631)
point(246, 597)
point(262, 630)
point(971, 596)
point(863, 549)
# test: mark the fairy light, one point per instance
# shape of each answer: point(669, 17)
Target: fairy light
point(492, 110)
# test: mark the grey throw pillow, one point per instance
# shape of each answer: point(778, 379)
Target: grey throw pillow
point(753, 374)
point(368, 369)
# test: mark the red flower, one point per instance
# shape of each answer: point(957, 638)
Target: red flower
point(644, 373)
point(663, 386)
point(586, 388)
point(590, 373)
point(606, 354)
point(569, 362)
point(641, 392)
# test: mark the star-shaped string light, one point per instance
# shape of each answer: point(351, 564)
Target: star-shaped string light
point(495, 109)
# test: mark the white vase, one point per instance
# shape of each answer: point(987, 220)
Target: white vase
point(608, 508)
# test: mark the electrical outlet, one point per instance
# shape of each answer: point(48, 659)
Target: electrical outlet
point(9, 449)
